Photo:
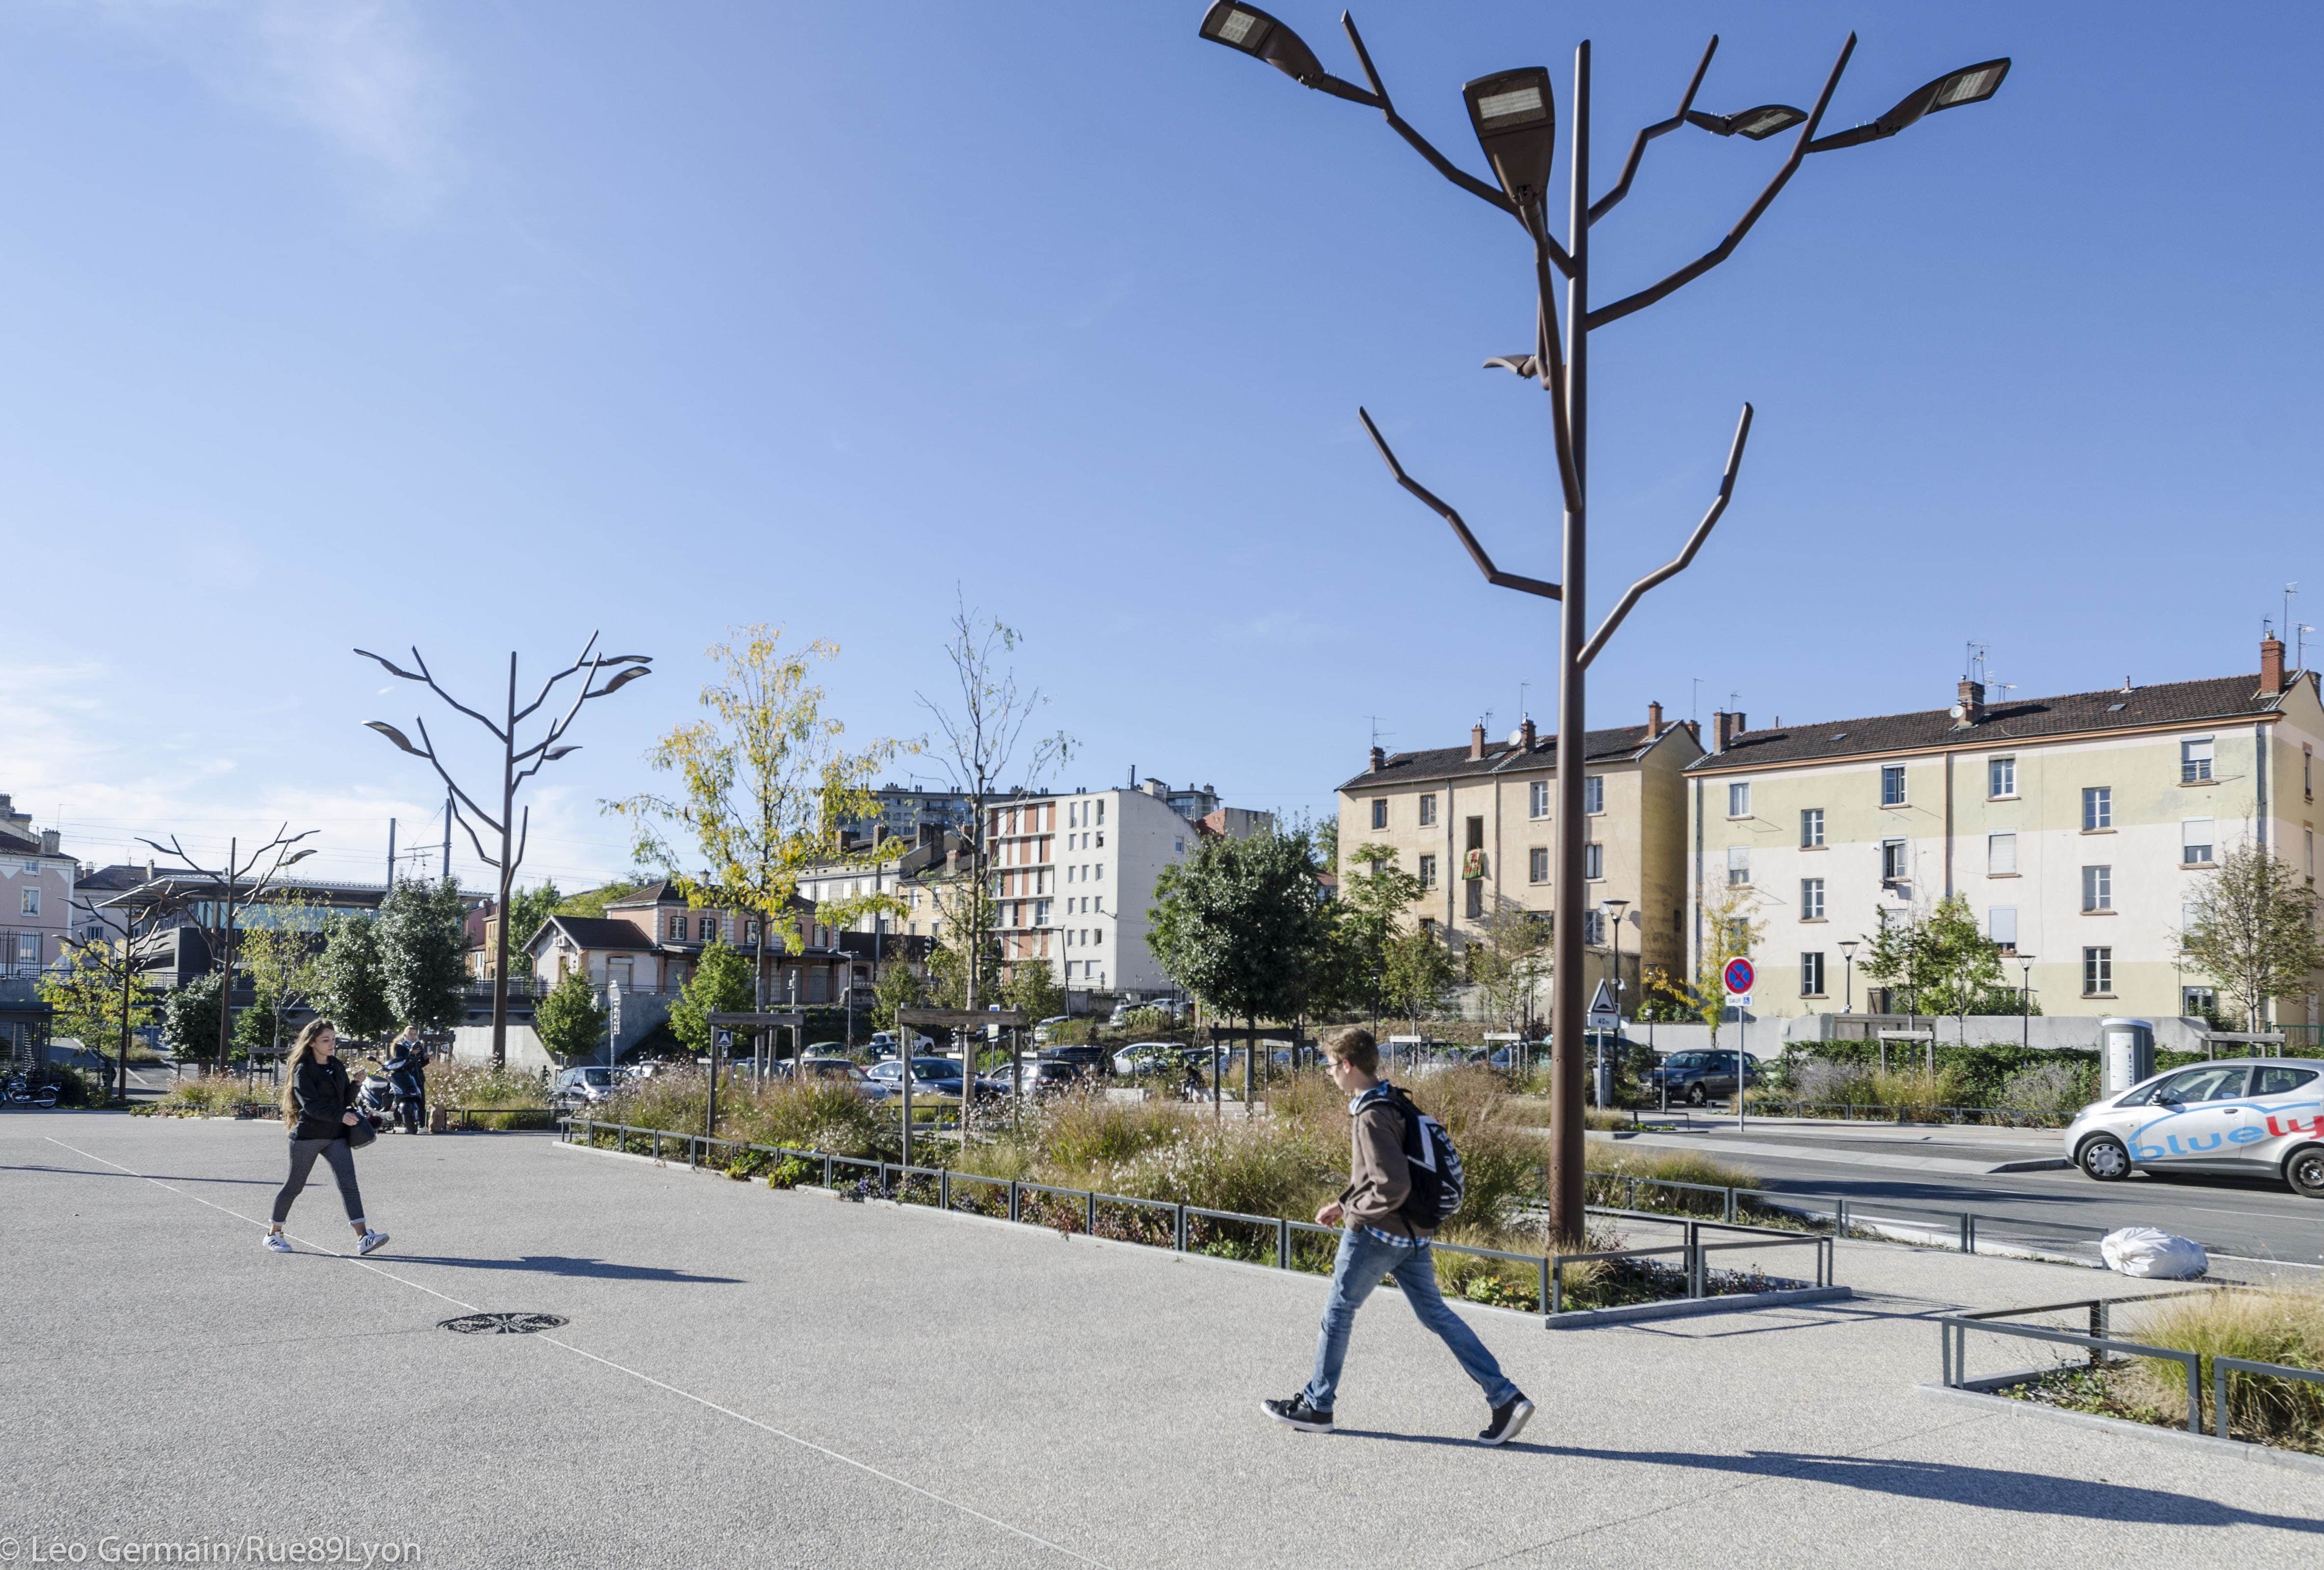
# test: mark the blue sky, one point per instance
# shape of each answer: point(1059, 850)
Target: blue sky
point(482, 326)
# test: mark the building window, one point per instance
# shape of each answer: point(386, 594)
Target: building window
point(1473, 898)
point(2098, 887)
point(1811, 901)
point(2198, 1002)
point(2001, 927)
point(1593, 927)
point(2097, 971)
point(1537, 799)
point(32, 902)
point(1811, 975)
point(1738, 800)
point(1593, 861)
point(2311, 850)
point(1428, 871)
point(1379, 812)
point(2001, 777)
point(2098, 807)
point(1739, 864)
point(1593, 793)
point(1040, 912)
point(2194, 761)
point(1811, 827)
point(27, 951)
point(2000, 856)
point(2195, 841)
point(2307, 773)
point(1537, 865)
point(678, 929)
point(1427, 810)
point(1892, 784)
point(1428, 926)
point(1892, 860)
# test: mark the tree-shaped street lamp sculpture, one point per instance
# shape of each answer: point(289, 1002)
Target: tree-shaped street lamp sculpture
point(1514, 113)
point(518, 764)
point(230, 891)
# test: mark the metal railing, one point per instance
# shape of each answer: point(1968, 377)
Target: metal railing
point(1953, 1339)
point(1871, 1113)
point(1082, 1210)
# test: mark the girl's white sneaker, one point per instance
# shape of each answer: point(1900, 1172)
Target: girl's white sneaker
point(277, 1243)
point(372, 1240)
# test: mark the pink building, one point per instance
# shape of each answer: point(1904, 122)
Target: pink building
point(36, 892)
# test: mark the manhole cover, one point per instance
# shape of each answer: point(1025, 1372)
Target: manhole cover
point(502, 1324)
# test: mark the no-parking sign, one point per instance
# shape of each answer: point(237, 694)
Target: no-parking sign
point(1739, 976)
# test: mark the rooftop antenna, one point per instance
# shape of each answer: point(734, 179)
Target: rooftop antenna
point(2300, 634)
point(2291, 591)
point(1522, 710)
point(1377, 732)
point(1974, 661)
point(1694, 702)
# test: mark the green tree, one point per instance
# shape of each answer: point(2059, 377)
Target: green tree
point(350, 983)
point(1034, 992)
point(1959, 969)
point(593, 901)
point(189, 1019)
point(720, 985)
point(900, 988)
point(2253, 930)
point(569, 1021)
point(527, 908)
point(1241, 925)
point(765, 785)
point(95, 1002)
point(278, 951)
point(1375, 897)
point(423, 952)
point(1509, 961)
point(1417, 973)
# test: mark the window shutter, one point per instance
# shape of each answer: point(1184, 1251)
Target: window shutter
point(2195, 831)
point(2001, 924)
point(2000, 853)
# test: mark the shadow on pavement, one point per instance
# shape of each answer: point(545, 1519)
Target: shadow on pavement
point(1944, 1482)
point(566, 1265)
point(159, 1176)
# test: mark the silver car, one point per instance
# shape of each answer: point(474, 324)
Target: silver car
point(2245, 1116)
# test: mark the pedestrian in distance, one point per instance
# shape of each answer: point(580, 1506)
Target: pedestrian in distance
point(407, 1077)
point(318, 1108)
point(1397, 1175)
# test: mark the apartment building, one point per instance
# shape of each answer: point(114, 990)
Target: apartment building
point(1477, 825)
point(37, 882)
point(1075, 875)
point(2079, 828)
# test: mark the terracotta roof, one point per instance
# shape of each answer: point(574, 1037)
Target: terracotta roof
point(2221, 699)
point(1437, 762)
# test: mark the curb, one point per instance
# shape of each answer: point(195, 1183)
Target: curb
point(1573, 1319)
point(1722, 1144)
point(2226, 1449)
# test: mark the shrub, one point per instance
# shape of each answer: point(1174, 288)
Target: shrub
point(482, 1085)
point(217, 1095)
point(2280, 1327)
point(2050, 1087)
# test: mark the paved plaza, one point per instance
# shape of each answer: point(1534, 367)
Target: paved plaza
point(751, 1377)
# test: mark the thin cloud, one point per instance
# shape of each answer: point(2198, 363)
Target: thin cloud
point(359, 72)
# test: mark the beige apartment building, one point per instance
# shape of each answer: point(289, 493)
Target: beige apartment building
point(2079, 828)
point(1478, 826)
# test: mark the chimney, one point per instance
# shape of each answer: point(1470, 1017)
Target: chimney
point(1726, 727)
point(1969, 708)
point(1379, 759)
point(1654, 720)
point(1526, 736)
point(2271, 667)
point(49, 840)
point(1476, 742)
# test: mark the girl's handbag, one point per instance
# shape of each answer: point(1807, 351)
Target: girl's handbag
point(360, 1132)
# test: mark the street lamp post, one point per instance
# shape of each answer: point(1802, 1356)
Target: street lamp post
point(1847, 957)
point(2025, 1001)
point(1614, 908)
point(1514, 115)
point(518, 764)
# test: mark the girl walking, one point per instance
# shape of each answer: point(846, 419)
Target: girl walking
point(318, 1111)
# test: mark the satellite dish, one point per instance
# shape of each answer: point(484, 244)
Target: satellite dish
point(1956, 711)
point(1516, 738)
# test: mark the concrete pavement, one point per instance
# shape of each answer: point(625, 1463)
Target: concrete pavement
point(766, 1379)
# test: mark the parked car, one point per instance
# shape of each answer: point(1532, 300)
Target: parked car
point(1142, 1059)
point(883, 1043)
point(930, 1076)
point(578, 1087)
point(1696, 1077)
point(1083, 1060)
point(1044, 1029)
point(2253, 1116)
point(1038, 1078)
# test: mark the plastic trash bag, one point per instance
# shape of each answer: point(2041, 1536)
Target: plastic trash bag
point(2148, 1252)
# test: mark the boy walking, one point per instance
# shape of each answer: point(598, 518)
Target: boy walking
point(1380, 1239)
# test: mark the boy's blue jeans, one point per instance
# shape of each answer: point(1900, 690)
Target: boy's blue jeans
point(1364, 1261)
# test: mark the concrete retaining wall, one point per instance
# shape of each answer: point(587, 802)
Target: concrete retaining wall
point(1766, 1038)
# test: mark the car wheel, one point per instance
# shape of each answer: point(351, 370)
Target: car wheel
point(2305, 1171)
point(1698, 1097)
point(2104, 1158)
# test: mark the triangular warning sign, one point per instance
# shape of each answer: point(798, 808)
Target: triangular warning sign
point(1602, 1001)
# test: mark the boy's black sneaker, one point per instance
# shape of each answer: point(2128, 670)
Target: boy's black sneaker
point(1299, 1415)
point(1508, 1419)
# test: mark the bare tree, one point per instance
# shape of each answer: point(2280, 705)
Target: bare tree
point(518, 764)
point(2253, 929)
point(229, 888)
point(980, 737)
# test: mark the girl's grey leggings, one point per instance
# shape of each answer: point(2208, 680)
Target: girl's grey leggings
point(302, 1161)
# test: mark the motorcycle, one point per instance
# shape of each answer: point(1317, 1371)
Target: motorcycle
point(376, 1101)
point(21, 1091)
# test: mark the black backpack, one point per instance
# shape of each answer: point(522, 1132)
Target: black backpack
point(1437, 1184)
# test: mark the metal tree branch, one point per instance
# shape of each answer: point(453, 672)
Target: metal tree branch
point(1607, 203)
point(1677, 564)
point(424, 675)
point(1493, 575)
point(1726, 247)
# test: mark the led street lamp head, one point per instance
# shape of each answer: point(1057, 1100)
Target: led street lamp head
point(1969, 84)
point(1755, 124)
point(1516, 117)
point(1252, 32)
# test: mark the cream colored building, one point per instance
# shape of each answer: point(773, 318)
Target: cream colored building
point(2079, 828)
point(1478, 826)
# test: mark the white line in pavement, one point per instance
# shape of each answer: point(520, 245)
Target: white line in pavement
point(823, 1450)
